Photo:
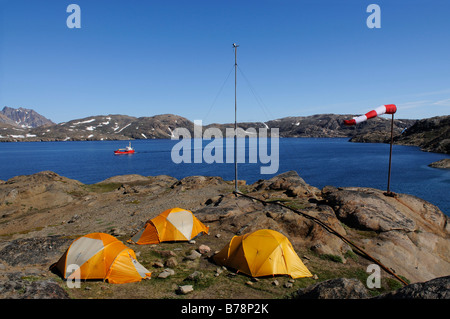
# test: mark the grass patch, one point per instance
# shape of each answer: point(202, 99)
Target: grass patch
point(349, 254)
point(334, 258)
point(296, 206)
point(31, 278)
point(288, 202)
point(134, 202)
point(102, 188)
point(394, 284)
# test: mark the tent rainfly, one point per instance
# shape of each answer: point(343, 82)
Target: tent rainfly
point(175, 224)
point(263, 252)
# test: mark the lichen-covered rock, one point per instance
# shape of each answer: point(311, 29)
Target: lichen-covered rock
point(340, 288)
point(18, 286)
point(31, 251)
point(438, 288)
point(413, 235)
point(290, 182)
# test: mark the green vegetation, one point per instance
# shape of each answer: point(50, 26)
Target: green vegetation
point(334, 258)
point(350, 254)
point(134, 202)
point(102, 187)
point(288, 202)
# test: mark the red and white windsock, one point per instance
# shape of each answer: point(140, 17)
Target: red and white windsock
point(384, 109)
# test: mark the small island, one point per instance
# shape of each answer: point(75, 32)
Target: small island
point(443, 163)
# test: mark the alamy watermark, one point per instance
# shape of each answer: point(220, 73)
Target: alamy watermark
point(374, 279)
point(74, 19)
point(373, 21)
point(73, 280)
point(190, 148)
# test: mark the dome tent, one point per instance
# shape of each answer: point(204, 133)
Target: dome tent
point(175, 224)
point(101, 256)
point(262, 253)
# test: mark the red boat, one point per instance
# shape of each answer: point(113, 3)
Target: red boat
point(126, 150)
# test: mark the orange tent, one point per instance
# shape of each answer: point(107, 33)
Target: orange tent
point(101, 256)
point(262, 253)
point(175, 224)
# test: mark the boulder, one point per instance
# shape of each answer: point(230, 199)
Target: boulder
point(290, 182)
point(204, 249)
point(32, 251)
point(367, 209)
point(412, 235)
point(166, 273)
point(340, 288)
point(41, 190)
point(195, 276)
point(185, 289)
point(16, 286)
point(193, 255)
point(171, 262)
point(438, 288)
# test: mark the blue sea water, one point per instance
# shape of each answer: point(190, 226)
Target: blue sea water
point(319, 161)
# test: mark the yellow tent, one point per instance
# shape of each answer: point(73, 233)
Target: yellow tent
point(262, 253)
point(175, 224)
point(101, 256)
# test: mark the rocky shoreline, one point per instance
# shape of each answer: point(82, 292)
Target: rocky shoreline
point(443, 163)
point(431, 135)
point(41, 214)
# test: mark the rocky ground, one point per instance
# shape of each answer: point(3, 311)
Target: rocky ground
point(42, 214)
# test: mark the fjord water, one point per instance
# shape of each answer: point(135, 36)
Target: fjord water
point(319, 161)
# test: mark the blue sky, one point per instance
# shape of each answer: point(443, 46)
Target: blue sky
point(296, 58)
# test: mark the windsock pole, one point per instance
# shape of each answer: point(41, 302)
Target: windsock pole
point(388, 193)
point(384, 109)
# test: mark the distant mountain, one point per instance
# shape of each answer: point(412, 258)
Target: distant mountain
point(430, 134)
point(112, 127)
point(121, 127)
point(6, 120)
point(25, 118)
point(324, 125)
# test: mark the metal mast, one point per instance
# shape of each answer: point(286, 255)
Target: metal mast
point(390, 157)
point(235, 46)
